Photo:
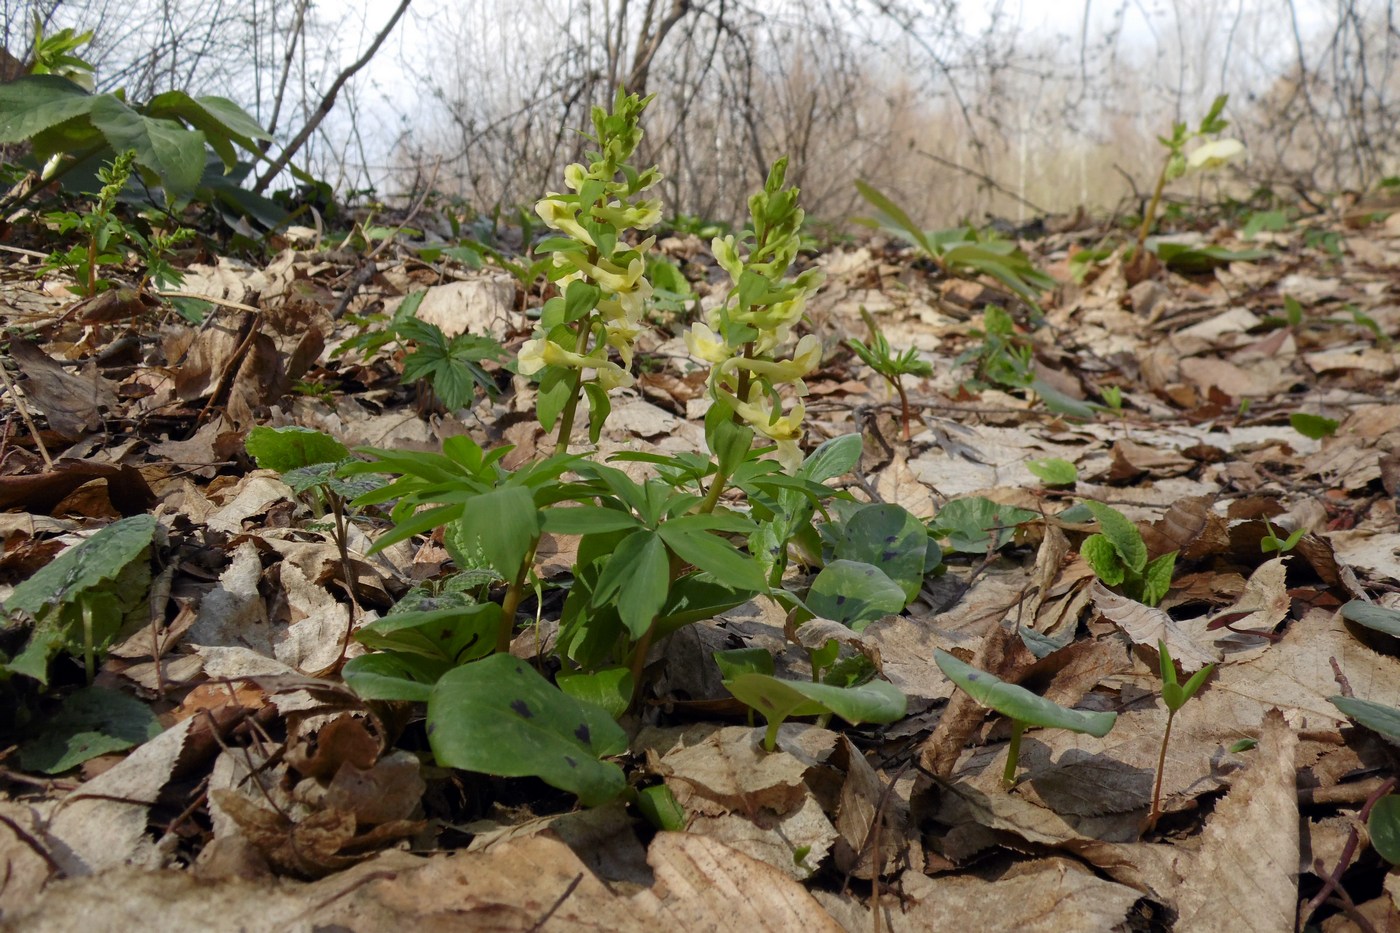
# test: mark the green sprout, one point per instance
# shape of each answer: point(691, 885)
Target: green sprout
point(880, 358)
point(1175, 695)
point(1021, 706)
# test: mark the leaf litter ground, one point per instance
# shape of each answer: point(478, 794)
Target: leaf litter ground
point(272, 797)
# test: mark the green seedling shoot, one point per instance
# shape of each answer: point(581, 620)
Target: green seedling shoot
point(1021, 706)
point(1175, 695)
point(1118, 557)
point(879, 357)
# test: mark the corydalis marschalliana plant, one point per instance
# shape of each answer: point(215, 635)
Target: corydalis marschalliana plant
point(1209, 155)
point(601, 277)
point(742, 338)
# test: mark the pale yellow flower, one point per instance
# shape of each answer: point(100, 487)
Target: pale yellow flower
point(563, 217)
point(1214, 154)
point(704, 344)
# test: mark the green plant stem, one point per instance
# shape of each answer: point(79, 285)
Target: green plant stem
point(89, 650)
point(566, 417)
point(1013, 754)
point(904, 406)
point(1151, 213)
point(511, 602)
point(1155, 813)
point(639, 661)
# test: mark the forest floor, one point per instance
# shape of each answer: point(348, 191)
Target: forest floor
point(264, 794)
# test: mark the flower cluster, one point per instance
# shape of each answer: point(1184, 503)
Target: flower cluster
point(601, 277)
point(742, 338)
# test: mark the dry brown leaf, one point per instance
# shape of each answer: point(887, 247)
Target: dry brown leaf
point(72, 403)
point(730, 771)
point(1245, 875)
point(1189, 643)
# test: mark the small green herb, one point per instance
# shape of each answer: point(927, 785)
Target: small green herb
point(1174, 695)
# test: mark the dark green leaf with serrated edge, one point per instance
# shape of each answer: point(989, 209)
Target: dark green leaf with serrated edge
point(93, 721)
point(85, 565)
point(499, 716)
point(975, 524)
point(1019, 703)
point(854, 593)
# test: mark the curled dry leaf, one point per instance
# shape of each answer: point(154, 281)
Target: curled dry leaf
point(1189, 642)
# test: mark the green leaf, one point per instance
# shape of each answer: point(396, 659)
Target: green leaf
point(33, 103)
point(585, 519)
point(1314, 426)
point(1371, 616)
point(636, 578)
point(779, 700)
point(394, 675)
point(737, 661)
point(291, 448)
point(610, 688)
point(976, 525)
point(832, 458)
point(1102, 557)
point(895, 216)
point(887, 536)
point(1018, 703)
point(1379, 718)
point(688, 537)
point(854, 594)
point(453, 635)
point(1157, 578)
point(1383, 825)
point(93, 721)
point(661, 809)
point(1182, 257)
point(580, 298)
point(498, 529)
point(499, 716)
point(1121, 533)
point(1052, 471)
point(85, 566)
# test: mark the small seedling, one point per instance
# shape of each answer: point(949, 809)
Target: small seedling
point(1021, 706)
point(1272, 542)
point(1315, 427)
point(1175, 695)
point(1053, 471)
point(879, 357)
point(1118, 557)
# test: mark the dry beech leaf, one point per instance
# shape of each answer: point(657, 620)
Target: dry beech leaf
point(1245, 874)
point(1189, 642)
point(729, 771)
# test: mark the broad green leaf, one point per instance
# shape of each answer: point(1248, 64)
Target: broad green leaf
point(1157, 578)
point(499, 716)
point(695, 598)
point(454, 635)
point(737, 661)
point(976, 525)
point(1314, 426)
point(1018, 703)
point(895, 216)
point(174, 154)
point(779, 700)
point(291, 448)
point(501, 528)
point(34, 103)
point(585, 519)
point(661, 809)
point(610, 688)
point(1052, 471)
point(93, 721)
point(580, 298)
point(394, 675)
point(1383, 826)
point(85, 566)
point(1376, 618)
point(888, 537)
point(1121, 533)
point(636, 579)
point(713, 554)
point(854, 593)
point(832, 458)
point(1182, 257)
point(1101, 556)
point(1379, 718)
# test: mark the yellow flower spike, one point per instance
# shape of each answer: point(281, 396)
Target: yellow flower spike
point(540, 352)
point(557, 215)
point(704, 344)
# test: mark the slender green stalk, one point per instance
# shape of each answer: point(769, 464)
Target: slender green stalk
point(566, 417)
point(1013, 754)
point(1156, 812)
point(511, 602)
point(89, 650)
point(1150, 214)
